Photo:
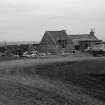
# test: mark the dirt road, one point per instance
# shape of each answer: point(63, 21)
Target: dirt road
point(31, 62)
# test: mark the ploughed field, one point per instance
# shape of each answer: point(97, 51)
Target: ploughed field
point(66, 81)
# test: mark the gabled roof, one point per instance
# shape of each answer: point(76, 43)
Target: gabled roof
point(83, 37)
point(58, 35)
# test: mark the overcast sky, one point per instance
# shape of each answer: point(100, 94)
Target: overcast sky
point(28, 19)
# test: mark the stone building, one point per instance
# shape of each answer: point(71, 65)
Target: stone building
point(56, 42)
point(84, 41)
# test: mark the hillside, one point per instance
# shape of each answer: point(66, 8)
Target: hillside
point(65, 81)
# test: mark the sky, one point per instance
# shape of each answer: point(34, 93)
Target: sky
point(27, 20)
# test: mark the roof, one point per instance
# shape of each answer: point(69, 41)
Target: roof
point(58, 35)
point(83, 37)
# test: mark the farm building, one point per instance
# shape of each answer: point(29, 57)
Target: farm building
point(84, 41)
point(56, 42)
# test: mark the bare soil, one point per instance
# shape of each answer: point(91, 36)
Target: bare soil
point(53, 81)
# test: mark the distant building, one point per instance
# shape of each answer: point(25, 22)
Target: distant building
point(83, 41)
point(20, 46)
point(56, 42)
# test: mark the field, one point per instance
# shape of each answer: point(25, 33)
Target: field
point(53, 81)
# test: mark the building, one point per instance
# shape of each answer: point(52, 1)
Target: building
point(56, 42)
point(84, 41)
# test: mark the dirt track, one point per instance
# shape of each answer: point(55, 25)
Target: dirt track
point(31, 62)
point(17, 88)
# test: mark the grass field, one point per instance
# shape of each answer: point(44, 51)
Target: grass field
point(58, 81)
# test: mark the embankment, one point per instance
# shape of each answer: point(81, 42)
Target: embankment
point(62, 82)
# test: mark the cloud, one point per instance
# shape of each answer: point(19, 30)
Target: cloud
point(48, 7)
point(25, 17)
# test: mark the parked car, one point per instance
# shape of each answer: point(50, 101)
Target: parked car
point(42, 54)
point(98, 49)
point(31, 54)
point(2, 54)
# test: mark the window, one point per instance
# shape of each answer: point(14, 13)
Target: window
point(86, 46)
point(77, 47)
point(62, 43)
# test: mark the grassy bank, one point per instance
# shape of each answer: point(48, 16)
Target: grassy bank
point(87, 74)
point(58, 82)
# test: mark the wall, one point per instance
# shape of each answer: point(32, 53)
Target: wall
point(47, 44)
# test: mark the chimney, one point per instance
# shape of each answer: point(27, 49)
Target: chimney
point(92, 32)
